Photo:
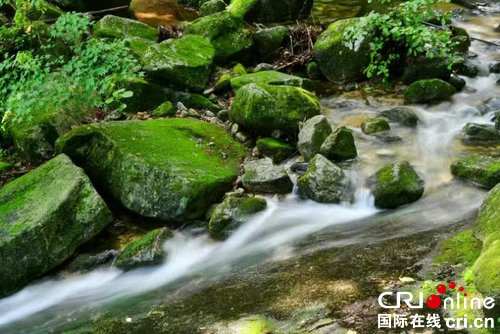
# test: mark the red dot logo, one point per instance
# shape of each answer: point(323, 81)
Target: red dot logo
point(441, 288)
point(452, 285)
point(433, 301)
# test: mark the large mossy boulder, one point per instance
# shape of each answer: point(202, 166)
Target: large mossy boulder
point(271, 11)
point(338, 60)
point(482, 170)
point(275, 149)
point(233, 212)
point(184, 63)
point(375, 125)
point(481, 134)
point(112, 26)
point(271, 78)
point(262, 109)
point(488, 220)
point(396, 184)
point(226, 32)
point(312, 135)
point(147, 95)
point(324, 182)
point(428, 90)
point(261, 176)
point(170, 169)
point(405, 116)
point(44, 216)
point(339, 145)
point(146, 251)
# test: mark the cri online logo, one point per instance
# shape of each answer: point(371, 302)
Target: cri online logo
point(434, 301)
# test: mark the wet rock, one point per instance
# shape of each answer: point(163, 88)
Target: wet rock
point(428, 90)
point(313, 71)
point(271, 11)
point(462, 43)
point(262, 109)
point(263, 67)
point(184, 63)
point(375, 125)
point(403, 115)
point(324, 182)
point(268, 41)
point(171, 169)
point(481, 134)
point(271, 78)
point(275, 149)
point(426, 68)
point(482, 170)
point(457, 82)
point(211, 7)
point(339, 145)
point(164, 110)
point(495, 68)
point(263, 177)
point(119, 27)
point(233, 212)
point(466, 67)
point(299, 168)
point(87, 262)
point(492, 104)
point(395, 185)
point(338, 61)
point(44, 216)
point(147, 251)
point(313, 135)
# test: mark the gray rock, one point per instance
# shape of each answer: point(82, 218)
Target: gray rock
point(312, 136)
point(403, 115)
point(263, 177)
point(481, 134)
point(375, 125)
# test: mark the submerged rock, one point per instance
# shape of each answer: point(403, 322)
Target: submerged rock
point(262, 176)
point(428, 90)
point(271, 78)
point(119, 27)
point(375, 125)
point(275, 149)
point(271, 11)
point(232, 212)
point(482, 170)
point(313, 135)
point(87, 262)
point(146, 251)
point(170, 169)
point(481, 134)
point(44, 216)
point(395, 185)
point(324, 182)
point(403, 115)
point(339, 145)
point(262, 109)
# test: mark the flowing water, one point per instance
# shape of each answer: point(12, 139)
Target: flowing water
point(290, 227)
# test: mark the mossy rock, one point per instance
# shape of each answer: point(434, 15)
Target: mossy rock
point(339, 145)
point(338, 60)
point(268, 42)
point(426, 68)
point(271, 11)
point(481, 134)
point(184, 63)
point(324, 182)
point(428, 90)
point(191, 100)
point(463, 248)
point(146, 251)
point(457, 82)
point(138, 45)
point(227, 33)
point(147, 95)
point(164, 110)
point(111, 26)
point(487, 272)
point(488, 220)
point(375, 125)
point(171, 169)
point(262, 176)
point(43, 11)
point(262, 109)
point(232, 212)
point(211, 7)
point(403, 115)
point(275, 149)
point(44, 216)
point(271, 78)
point(466, 67)
point(312, 135)
point(396, 184)
point(482, 170)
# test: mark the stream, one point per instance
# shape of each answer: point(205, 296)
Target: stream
point(291, 227)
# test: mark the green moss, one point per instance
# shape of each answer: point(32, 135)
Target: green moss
point(118, 27)
point(165, 109)
point(488, 220)
point(482, 170)
point(375, 125)
point(487, 271)
point(270, 78)
point(275, 149)
point(138, 45)
point(339, 145)
point(428, 90)
point(463, 248)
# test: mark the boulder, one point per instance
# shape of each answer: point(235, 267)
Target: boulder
point(165, 109)
point(262, 109)
point(170, 169)
point(275, 149)
point(428, 90)
point(338, 60)
point(405, 116)
point(481, 134)
point(271, 78)
point(488, 220)
point(395, 185)
point(494, 67)
point(211, 7)
point(138, 45)
point(375, 125)
point(268, 41)
point(466, 67)
point(339, 145)
point(457, 82)
point(184, 63)
point(271, 11)
point(426, 68)
point(232, 212)
point(146, 251)
point(312, 135)
point(262, 176)
point(313, 71)
point(87, 262)
point(147, 95)
point(324, 182)
point(482, 170)
point(462, 43)
point(44, 216)
point(111, 26)
point(486, 272)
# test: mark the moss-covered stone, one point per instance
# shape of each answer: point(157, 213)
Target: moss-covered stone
point(396, 184)
point(426, 68)
point(190, 100)
point(487, 271)
point(184, 63)
point(462, 248)
point(466, 67)
point(339, 61)
point(275, 149)
point(312, 135)
point(457, 82)
point(268, 41)
point(119, 27)
point(339, 145)
point(482, 170)
point(43, 11)
point(324, 182)
point(481, 134)
point(488, 220)
point(165, 109)
point(146, 251)
point(461, 43)
point(262, 108)
point(211, 7)
point(232, 212)
point(147, 95)
point(403, 115)
point(226, 32)
point(428, 90)
point(375, 125)
point(44, 216)
point(269, 11)
point(271, 78)
point(262, 176)
point(138, 45)
point(170, 169)
point(313, 71)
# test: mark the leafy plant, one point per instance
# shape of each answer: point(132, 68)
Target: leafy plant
point(402, 33)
